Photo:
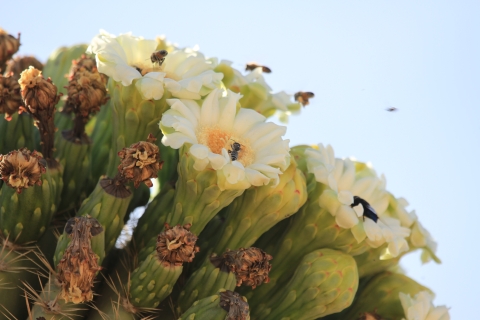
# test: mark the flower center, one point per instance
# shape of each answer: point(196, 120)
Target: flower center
point(217, 139)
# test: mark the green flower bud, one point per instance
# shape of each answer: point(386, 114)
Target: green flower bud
point(381, 295)
point(226, 305)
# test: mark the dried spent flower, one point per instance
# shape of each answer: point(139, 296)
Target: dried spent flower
point(79, 264)
point(10, 98)
point(250, 266)
point(18, 64)
point(8, 46)
point(176, 245)
point(140, 162)
point(83, 63)
point(20, 169)
point(86, 92)
point(236, 306)
point(37, 93)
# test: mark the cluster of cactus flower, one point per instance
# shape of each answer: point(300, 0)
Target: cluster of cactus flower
point(240, 225)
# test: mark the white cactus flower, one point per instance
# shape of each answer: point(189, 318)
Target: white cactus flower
point(214, 127)
point(421, 307)
point(185, 73)
point(343, 182)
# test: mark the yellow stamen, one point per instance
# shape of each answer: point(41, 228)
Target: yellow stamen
point(217, 139)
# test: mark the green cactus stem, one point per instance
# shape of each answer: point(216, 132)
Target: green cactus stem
point(247, 267)
point(57, 68)
point(153, 219)
point(77, 267)
point(226, 305)
point(259, 208)
point(29, 196)
point(133, 118)
point(108, 207)
point(318, 229)
point(325, 282)
point(152, 280)
point(197, 197)
point(17, 267)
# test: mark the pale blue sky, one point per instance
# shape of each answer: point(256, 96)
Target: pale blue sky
point(359, 57)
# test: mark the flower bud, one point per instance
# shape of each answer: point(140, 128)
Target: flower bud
point(10, 98)
point(140, 162)
point(250, 266)
point(21, 169)
point(37, 93)
point(176, 245)
point(17, 65)
point(79, 263)
point(8, 46)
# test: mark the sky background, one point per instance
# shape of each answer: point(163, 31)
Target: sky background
point(359, 58)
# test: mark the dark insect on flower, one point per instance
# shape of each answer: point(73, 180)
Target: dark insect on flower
point(302, 97)
point(158, 56)
point(391, 109)
point(252, 66)
point(236, 147)
point(368, 211)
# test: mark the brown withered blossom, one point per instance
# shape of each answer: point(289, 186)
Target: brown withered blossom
point(40, 97)
point(10, 98)
point(9, 45)
point(250, 266)
point(86, 92)
point(16, 66)
point(140, 162)
point(79, 264)
point(176, 245)
point(38, 93)
point(236, 306)
point(20, 169)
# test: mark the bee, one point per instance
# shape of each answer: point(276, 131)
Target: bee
point(159, 56)
point(252, 66)
point(391, 109)
point(303, 97)
point(368, 211)
point(236, 147)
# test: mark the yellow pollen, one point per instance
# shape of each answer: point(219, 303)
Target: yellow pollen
point(217, 139)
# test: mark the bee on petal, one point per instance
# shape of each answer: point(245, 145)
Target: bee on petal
point(158, 57)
